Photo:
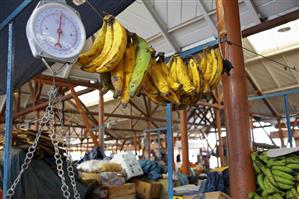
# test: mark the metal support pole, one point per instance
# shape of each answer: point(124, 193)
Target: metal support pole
point(286, 107)
point(184, 141)
point(101, 121)
point(169, 150)
point(236, 109)
point(8, 111)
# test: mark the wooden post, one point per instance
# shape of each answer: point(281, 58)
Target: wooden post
point(242, 178)
point(184, 142)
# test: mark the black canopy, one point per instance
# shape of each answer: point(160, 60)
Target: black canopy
point(26, 66)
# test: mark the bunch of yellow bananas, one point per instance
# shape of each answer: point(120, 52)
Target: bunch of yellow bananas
point(127, 65)
point(276, 177)
point(183, 84)
point(121, 58)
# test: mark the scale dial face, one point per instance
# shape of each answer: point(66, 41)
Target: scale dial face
point(57, 30)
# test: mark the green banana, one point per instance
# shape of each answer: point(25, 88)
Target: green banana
point(256, 168)
point(251, 195)
point(269, 174)
point(267, 192)
point(294, 191)
point(254, 195)
point(283, 180)
point(277, 196)
point(264, 157)
point(271, 163)
point(269, 185)
point(293, 166)
point(260, 166)
point(284, 186)
point(283, 168)
point(283, 175)
point(289, 195)
point(254, 156)
point(292, 160)
point(260, 181)
point(142, 64)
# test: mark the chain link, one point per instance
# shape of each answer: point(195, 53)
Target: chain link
point(48, 118)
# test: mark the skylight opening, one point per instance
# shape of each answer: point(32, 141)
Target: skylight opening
point(92, 98)
point(278, 38)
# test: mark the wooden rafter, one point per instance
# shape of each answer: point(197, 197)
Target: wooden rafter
point(84, 116)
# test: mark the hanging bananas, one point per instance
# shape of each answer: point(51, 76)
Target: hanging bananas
point(92, 66)
point(117, 50)
point(142, 63)
point(182, 76)
point(126, 64)
point(96, 47)
point(129, 63)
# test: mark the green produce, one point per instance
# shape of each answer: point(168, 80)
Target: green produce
point(283, 168)
point(142, 64)
point(283, 175)
point(293, 166)
point(284, 180)
point(276, 178)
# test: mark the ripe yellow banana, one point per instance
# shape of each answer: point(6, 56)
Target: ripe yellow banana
point(157, 78)
point(219, 70)
point(157, 99)
point(185, 101)
point(172, 65)
point(117, 50)
point(203, 62)
point(182, 75)
point(96, 48)
point(193, 68)
point(214, 68)
point(149, 87)
point(117, 78)
point(129, 62)
point(172, 98)
point(208, 72)
point(96, 62)
point(166, 74)
point(142, 64)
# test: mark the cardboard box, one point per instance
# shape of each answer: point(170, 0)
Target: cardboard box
point(127, 191)
point(129, 163)
point(216, 195)
point(164, 188)
point(147, 189)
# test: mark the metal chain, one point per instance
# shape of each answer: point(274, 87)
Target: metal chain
point(70, 169)
point(48, 117)
point(57, 156)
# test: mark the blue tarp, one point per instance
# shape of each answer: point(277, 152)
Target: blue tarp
point(216, 182)
point(94, 154)
point(26, 67)
point(152, 169)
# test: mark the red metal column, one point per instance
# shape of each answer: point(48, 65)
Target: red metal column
point(101, 117)
point(184, 141)
point(242, 178)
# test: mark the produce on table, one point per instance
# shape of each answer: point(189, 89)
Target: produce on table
point(276, 178)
